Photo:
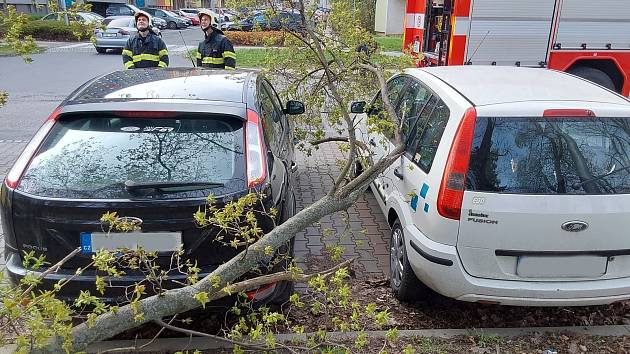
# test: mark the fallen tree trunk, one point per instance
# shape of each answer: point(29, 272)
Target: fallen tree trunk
point(183, 299)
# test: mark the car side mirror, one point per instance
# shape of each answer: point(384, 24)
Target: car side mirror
point(294, 107)
point(358, 107)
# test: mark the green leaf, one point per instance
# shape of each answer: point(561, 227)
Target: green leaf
point(202, 297)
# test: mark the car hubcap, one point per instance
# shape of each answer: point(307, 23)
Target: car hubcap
point(396, 257)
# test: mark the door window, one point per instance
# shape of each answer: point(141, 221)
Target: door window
point(125, 11)
point(411, 103)
point(272, 127)
point(428, 134)
point(278, 116)
point(377, 109)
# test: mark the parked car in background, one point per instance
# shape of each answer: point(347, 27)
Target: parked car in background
point(226, 15)
point(194, 19)
point(515, 191)
point(160, 23)
point(84, 17)
point(118, 29)
point(190, 11)
point(178, 135)
point(282, 20)
point(121, 10)
point(173, 21)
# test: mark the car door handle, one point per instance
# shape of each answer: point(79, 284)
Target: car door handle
point(294, 167)
point(397, 173)
point(372, 142)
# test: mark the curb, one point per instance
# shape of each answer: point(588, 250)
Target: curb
point(168, 345)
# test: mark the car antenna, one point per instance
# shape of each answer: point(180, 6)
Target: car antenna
point(187, 51)
point(469, 60)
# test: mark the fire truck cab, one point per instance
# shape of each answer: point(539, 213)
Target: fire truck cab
point(587, 38)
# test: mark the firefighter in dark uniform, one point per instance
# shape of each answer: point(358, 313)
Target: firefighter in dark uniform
point(215, 51)
point(145, 50)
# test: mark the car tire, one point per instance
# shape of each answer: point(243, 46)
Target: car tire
point(595, 75)
point(172, 25)
point(403, 280)
point(101, 50)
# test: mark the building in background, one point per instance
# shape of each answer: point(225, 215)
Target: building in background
point(40, 6)
point(389, 16)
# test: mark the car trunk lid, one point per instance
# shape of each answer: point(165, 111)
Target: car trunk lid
point(547, 199)
point(89, 162)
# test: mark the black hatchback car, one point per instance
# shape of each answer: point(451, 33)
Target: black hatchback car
point(150, 144)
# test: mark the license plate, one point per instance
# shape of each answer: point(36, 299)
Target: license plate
point(150, 241)
point(109, 35)
point(561, 266)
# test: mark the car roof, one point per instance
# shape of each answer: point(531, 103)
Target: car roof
point(168, 83)
point(487, 85)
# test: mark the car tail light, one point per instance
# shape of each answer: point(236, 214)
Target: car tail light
point(256, 164)
point(568, 113)
point(451, 194)
point(262, 292)
point(123, 32)
point(15, 174)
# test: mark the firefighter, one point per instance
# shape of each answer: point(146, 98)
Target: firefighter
point(145, 50)
point(215, 51)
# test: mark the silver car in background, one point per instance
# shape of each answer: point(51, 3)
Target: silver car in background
point(118, 29)
point(159, 23)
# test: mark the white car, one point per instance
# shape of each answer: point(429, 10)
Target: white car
point(514, 188)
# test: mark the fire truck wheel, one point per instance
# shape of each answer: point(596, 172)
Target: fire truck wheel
point(595, 75)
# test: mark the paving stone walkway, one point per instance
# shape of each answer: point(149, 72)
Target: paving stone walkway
point(368, 233)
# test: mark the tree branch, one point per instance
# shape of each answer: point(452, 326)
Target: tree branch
point(52, 269)
point(276, 277)
point(202, 334)
point(343, 139)
point(386, 102)
point(367, 176)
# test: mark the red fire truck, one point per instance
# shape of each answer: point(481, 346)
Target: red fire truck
point(587, 38)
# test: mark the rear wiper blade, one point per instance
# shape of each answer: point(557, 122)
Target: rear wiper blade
point(131, 186)
point(614, 170)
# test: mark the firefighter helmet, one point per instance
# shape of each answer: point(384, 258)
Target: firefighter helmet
point(214, 22)
point(141, 13)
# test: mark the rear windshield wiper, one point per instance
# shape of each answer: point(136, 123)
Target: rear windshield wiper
point(614, 170)
point(168, 186)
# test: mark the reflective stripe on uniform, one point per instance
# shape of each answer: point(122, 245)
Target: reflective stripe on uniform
point(162, 64)
point(141, 57)
point(229, 68)
point(129, 65)
point(163, 52)
point(127, 52)
point(228, 54)
point(211, 60)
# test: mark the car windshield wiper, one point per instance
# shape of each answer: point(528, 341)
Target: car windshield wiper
point(613, 170)
point(168, 186)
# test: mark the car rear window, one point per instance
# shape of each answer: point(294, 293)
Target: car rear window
point(551, 155)
point(120, 22)
point(92, 157)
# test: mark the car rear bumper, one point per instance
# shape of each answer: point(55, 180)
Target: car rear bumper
point(111, 42)
point(439, 267)
point(116, 294)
